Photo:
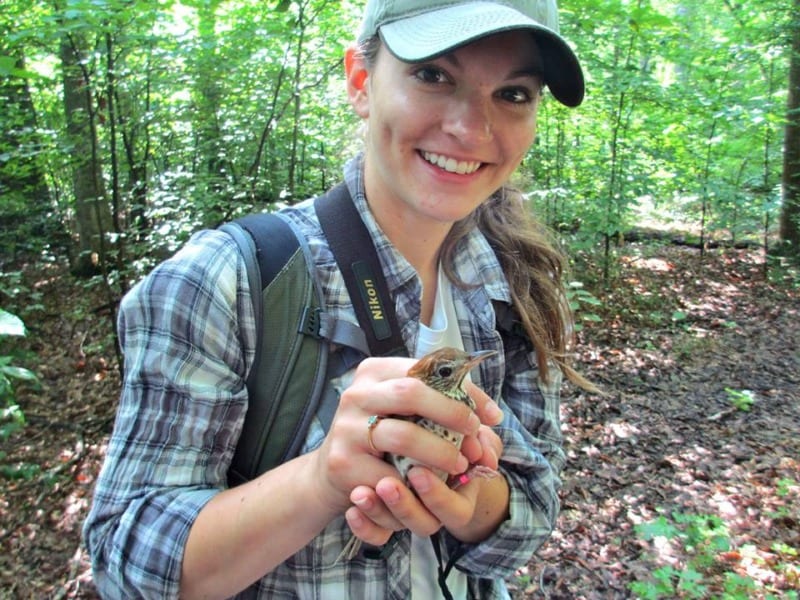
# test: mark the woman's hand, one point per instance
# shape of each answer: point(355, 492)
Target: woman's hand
point(345, 460)
point(471, 513)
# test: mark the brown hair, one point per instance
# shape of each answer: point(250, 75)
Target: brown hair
point(533, 267)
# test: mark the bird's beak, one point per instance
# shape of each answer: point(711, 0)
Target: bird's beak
point(478, 357)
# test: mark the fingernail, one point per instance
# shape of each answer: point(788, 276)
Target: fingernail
point(419, 480)
point(462, 464)
point(355, 519)
point(493, 412)
point(363, 503)
point(391, 496)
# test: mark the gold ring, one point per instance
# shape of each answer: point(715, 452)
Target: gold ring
point(372, 423)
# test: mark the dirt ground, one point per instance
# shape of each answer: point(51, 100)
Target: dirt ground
point(683, 477)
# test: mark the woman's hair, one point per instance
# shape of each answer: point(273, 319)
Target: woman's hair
point(534, 269)
point(530, 261)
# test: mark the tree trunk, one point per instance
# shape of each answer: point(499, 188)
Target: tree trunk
point(297, 79)
point(92, 213)
point(209, 95)
point(26, 215)
point(790, 214)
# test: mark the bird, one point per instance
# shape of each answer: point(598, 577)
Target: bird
point(445, 370)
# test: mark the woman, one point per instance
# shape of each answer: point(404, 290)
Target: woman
point(449, 93)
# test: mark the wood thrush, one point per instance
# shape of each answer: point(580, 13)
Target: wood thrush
point(444, 370)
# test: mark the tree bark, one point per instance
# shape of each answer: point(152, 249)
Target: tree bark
point(209, 94)
point(790, 213)
point(92, 213)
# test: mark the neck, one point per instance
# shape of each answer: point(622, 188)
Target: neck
point(417, 237)
point(420, 246)
point(421, 249)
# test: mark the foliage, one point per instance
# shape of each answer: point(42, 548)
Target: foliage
point(703, 537)
point(580, 300)
point(666, 124)
point(197, 112)
point(12, 418)
point(204, 110)
point(706, 541)
point(741, 399)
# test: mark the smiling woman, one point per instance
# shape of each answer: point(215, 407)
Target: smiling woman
point(473, 108)
point(449, 94)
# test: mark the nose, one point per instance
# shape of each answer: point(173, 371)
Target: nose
point(469, 119)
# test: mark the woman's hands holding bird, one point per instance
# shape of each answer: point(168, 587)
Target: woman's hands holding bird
point(430, 417)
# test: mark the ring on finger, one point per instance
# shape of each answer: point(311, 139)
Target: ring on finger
point(372, 423)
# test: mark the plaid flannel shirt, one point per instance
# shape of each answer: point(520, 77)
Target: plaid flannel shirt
point(188, 335)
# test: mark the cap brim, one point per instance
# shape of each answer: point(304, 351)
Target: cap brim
point(431, 34)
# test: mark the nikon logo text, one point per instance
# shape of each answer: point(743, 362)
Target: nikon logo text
point(373, 302)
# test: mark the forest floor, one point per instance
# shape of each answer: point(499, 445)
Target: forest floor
point(677, 483)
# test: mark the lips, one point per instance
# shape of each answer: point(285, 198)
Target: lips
point(451, 165)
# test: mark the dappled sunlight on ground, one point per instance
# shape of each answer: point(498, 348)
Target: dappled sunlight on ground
point(679, 338)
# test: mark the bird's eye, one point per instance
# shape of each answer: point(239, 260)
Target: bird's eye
point(445, 371)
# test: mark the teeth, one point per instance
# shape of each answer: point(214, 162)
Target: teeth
point(451, 165)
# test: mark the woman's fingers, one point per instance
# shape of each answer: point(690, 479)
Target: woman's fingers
point(368, 424)
point(406, 507)
point(486, 409)
point(381, 387)
point(402, 437)
point(369, 519)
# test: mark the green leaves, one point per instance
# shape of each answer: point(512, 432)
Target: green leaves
point(11, 417)
point(659, 527)
point(579, 301)
point(668, 121)
point(8, 68)
point(704, 538)
point(742, 400)
point(11, 324)
point(219, 107)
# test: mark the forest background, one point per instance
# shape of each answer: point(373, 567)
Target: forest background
point(127, 126)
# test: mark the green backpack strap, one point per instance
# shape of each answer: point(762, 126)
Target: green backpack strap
point(293, 361)
point(289, 370)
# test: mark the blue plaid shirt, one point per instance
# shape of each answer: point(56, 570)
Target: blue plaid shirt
point(188, 334)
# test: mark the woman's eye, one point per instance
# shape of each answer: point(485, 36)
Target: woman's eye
point(430, 75)
point(516, 95)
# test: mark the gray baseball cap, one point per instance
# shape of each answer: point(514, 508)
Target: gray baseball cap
point(417, 30)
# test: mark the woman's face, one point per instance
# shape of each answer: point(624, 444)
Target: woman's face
point(444, 134)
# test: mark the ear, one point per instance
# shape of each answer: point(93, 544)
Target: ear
point(357, 78)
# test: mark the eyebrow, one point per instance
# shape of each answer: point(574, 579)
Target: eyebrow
point(536, 72)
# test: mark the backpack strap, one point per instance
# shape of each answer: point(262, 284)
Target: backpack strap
point(287, 381)
point(289, 322)
point(355, 254)
point(509, 324)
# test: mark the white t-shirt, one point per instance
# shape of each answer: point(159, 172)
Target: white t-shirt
point(443, 331)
